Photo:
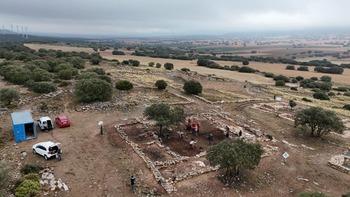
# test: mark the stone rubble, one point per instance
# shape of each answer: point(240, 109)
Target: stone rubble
point(337, 162)
point(48, 178)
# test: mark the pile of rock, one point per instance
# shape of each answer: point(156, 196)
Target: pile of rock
point(104, 107)
point(48, 178)
point(196, 173)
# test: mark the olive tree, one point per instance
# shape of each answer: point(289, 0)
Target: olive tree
point(234, 155)
point(8, 95)
point(164, 115)
point(319, 121)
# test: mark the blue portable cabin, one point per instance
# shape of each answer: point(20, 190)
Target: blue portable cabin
point(23, 126)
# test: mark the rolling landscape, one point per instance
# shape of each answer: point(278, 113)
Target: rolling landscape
point(149, 109)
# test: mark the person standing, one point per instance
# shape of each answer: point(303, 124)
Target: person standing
point(59, 154)
point(196, 129)
point(45, 127)
point(210, 138)
point(132, 183)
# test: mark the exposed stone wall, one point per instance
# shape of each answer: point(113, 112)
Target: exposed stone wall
point(337, 162)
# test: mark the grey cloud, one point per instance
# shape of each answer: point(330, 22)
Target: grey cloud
point(172, 17)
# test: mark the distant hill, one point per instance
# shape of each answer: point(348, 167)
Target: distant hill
point(6, 31)
point(10, 36)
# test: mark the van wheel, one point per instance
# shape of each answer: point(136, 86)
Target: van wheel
point(45, 157)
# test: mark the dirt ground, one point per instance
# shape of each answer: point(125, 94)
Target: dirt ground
point(95, 165)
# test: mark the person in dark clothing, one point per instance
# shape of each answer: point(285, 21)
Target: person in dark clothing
point(59, 154)
point(210, 138)
point(240, 133)
point(132, 183)
point(227, 132)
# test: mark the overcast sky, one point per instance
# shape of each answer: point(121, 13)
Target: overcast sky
point(175, 17)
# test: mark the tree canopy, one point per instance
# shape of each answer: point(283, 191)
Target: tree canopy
point(164, 115)
point(94, 89)
point(292, 104)
point(8, 95)
point(193, 87)
point(319, 121)
point(234, 155)
point(161, 84)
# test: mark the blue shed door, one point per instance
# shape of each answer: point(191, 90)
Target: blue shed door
point(19, 132)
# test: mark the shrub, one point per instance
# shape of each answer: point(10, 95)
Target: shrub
point(331, 94)
point(314, 78)
point(62, 66)
point(294, 88)
point(8, 95)
point(31, 168)
point(151, 64)
point(245, 62)
point(94, 89)
point(158, 65)
point(118, 52)
point(105, 78)
point(161, 84)
point(95, 61)
point(18, 75)
point(39, 74)
point(97, 70)
point(321, 96)
point(326, 78)
point(347, 107)
point(123, 85)
point(269, 75)
point(193, 87)
point(43, 87)
point(342, 89)
point(134, 62)
point(294, 80)
point(290, 67)
point(245, 69)
point(65, 74)
point(347, 94)
point(32, 176)
point(299, 78)
point(169, 66)
point(28, 188)
point(185, 69)
point(303, 68)
point(306, 100)
point(234, 68)
point(280, 83)
point(281, 77)
point(125, 62)
point(77, 62)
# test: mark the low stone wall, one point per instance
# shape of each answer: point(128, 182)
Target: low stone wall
point(337, 162)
